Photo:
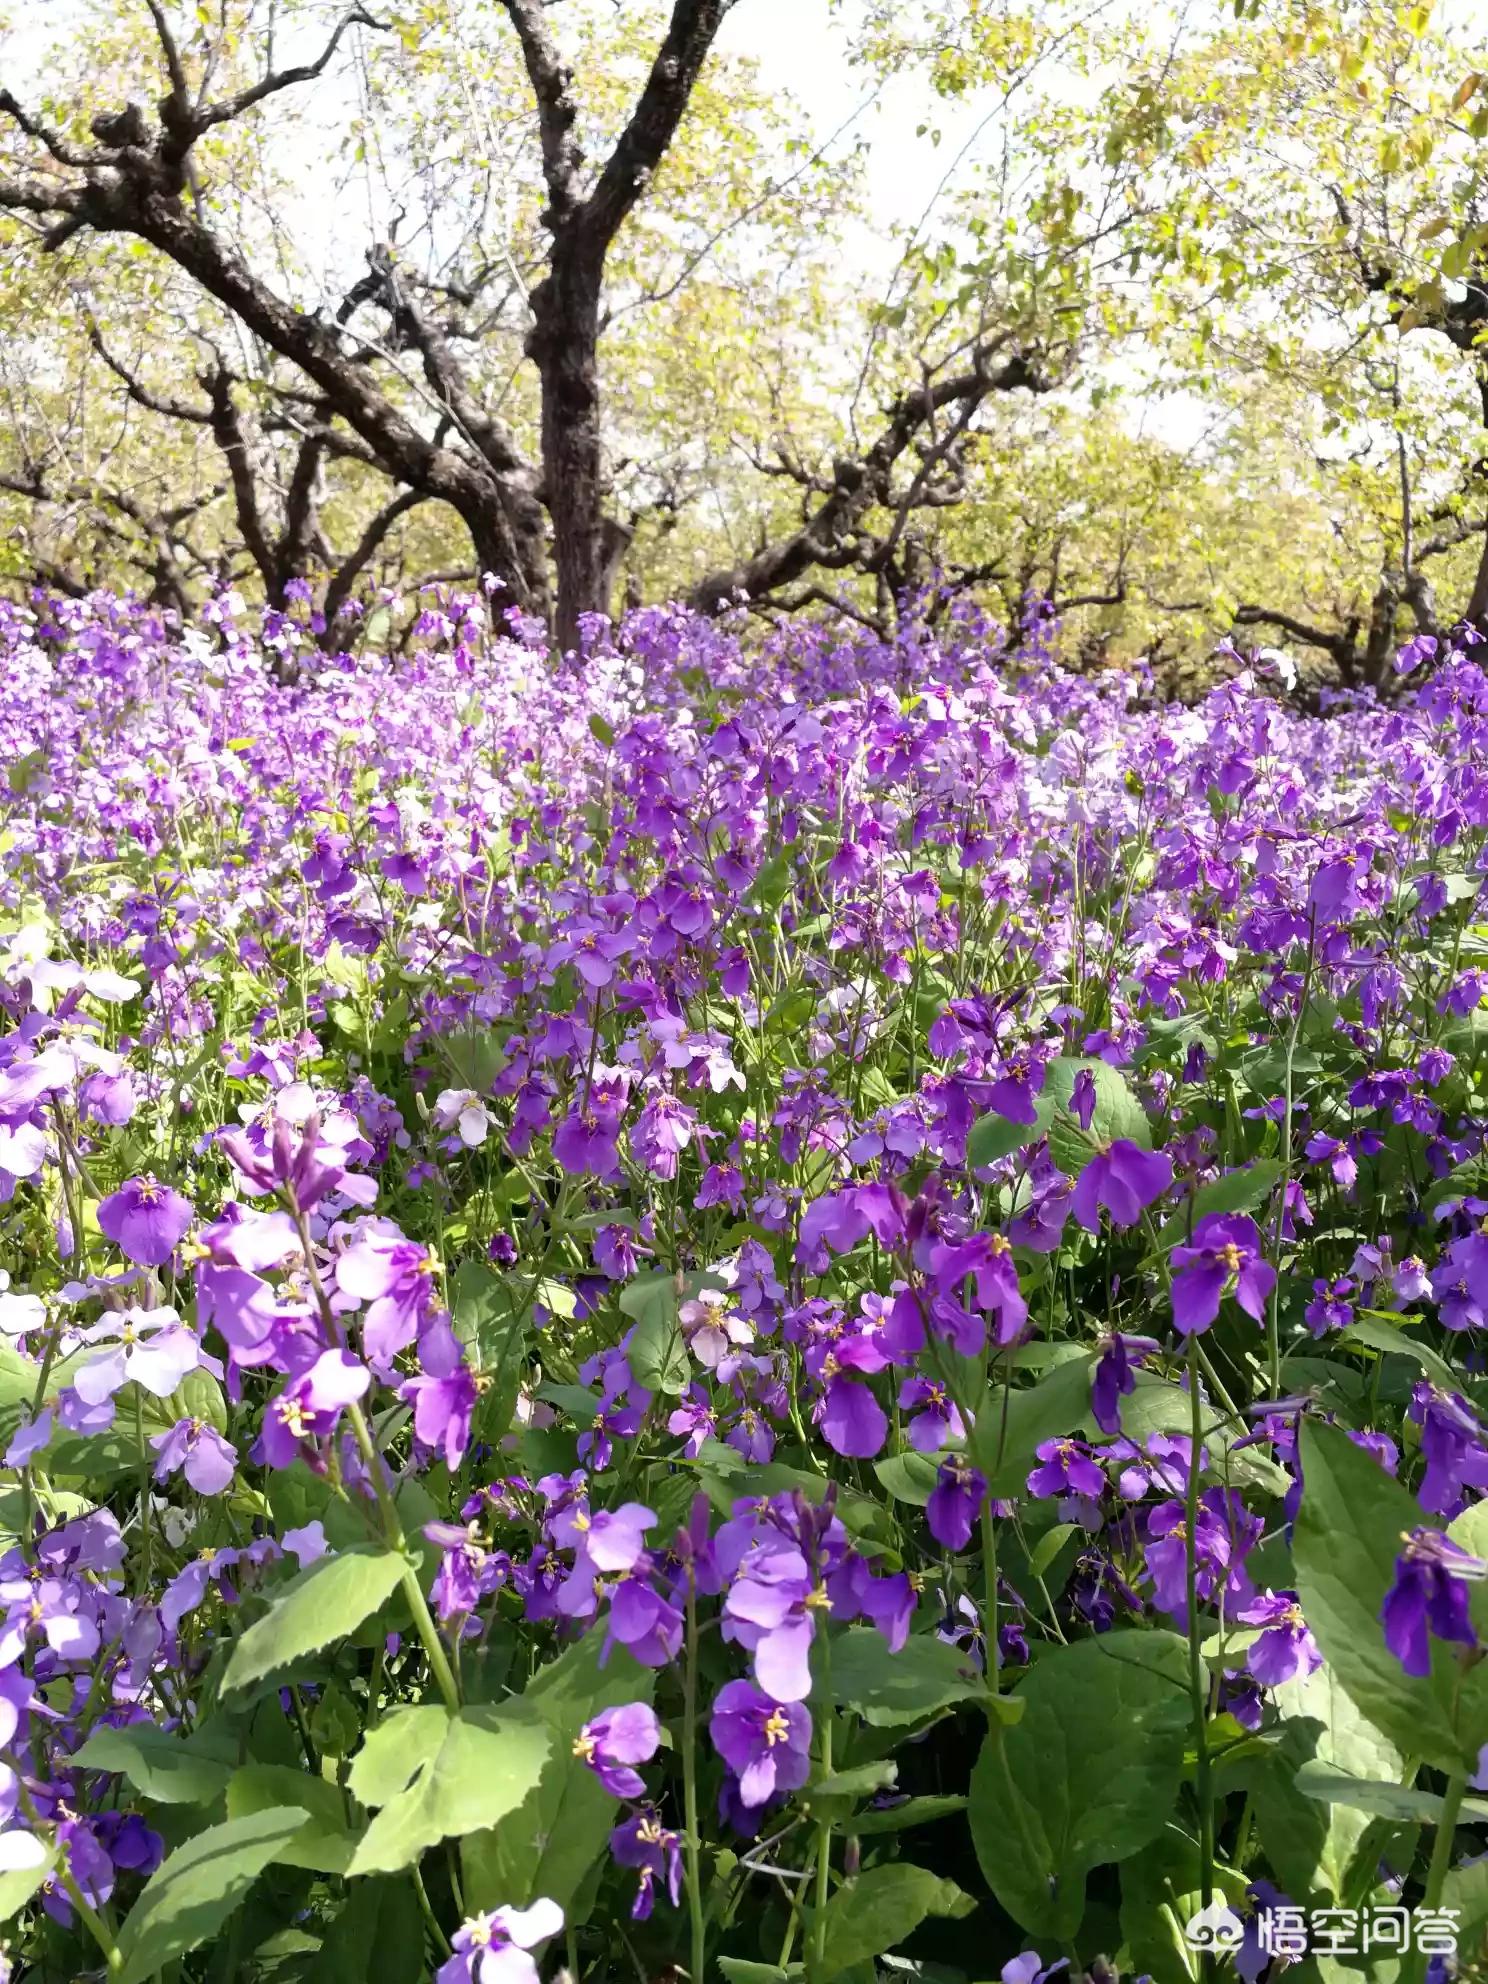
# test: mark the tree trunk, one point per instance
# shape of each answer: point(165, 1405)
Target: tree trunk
point(564, 345)
point(1380, 641)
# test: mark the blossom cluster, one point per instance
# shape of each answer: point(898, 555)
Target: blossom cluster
point(734, 1226)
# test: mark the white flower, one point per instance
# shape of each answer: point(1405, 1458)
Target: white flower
point(20, 1311)
point(462, 1108)
point(711, 1331)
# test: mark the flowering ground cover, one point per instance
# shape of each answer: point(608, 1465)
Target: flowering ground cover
point(792, 1312)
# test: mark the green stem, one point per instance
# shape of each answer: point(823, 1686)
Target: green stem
point(1273, 1313)
point(1197, 1679)
point(28, 1501)
point(1441, 1854)
point(144, 1493)
point(426, 1909)
point(90, 1918)
point(989, 1573)
point(824, 1830)
point(689, 1786)
point(392, 1527)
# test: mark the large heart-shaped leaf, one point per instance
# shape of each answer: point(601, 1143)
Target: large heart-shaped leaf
point(1347, 1539)
point(1088, 1775)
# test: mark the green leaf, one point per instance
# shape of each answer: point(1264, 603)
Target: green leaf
point(1466, 1890)
point(551, 1844)
point(324, 1842)
point(1013, 1424)
point(328, 1600)
point(170, 1768)
point(1316, 1852)
point(909, 1477)
point(899, 1818)
point(378, 1931)
point(872, 1915)
point(486, 1762)
point(195, 1889)
point(657, 1355)
point(992, 1136)
point(1236, 1191)
point(1347, 1538)
point(1400, 1802)
point(1160, 1891)
point(401, 1745)
point(862, 1781)
point(1117, 1113)
point(1380, 1334)
point(490, 1322)
point(1089, 1775)
point(889, 1689)
point(1049, 1546)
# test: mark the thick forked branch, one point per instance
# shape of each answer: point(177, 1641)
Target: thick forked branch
point(653, 123)
point(832, 534)
point(1329, 640)
point(564, 339)
point(590, 221)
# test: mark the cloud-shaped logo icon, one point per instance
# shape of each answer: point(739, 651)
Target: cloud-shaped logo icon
point(1216, 1927)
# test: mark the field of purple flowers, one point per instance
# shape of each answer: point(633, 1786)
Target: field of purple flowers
point(777, 1312)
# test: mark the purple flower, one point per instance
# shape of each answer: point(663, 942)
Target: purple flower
point(145, 1220)
point(1285, 1649)
point(308, 1408)
point(1083, 1098)
point(767, 1744)
point(1114, 1378)
point(1453, 1446)
point(1030, 1969)
point(293, 1160)
point(840, 1220)
point(1334, 890)
point(936, 1422)
point(468, 1570)
point(1224, 1255)
point(771, 1609)
point(645, 1621)
point(614, 1740)
point(1429, 1595)
point(955, 1503)
point(200, 1451)
point(1223, 1535)
point(644, 1843)
point(395, 1278)
point(493, 1949)
point(1330, 1308)
point(1068, 1469)
point(1125, 1179)
point(444, 1397)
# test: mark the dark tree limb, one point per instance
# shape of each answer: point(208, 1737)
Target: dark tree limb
point(833, 535)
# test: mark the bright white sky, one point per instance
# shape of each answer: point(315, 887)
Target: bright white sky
point(801, 47)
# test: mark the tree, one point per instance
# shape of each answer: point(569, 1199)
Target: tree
point(139, 177)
